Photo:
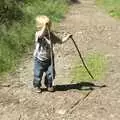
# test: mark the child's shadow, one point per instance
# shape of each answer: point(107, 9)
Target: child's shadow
point(74, 1)
point(79, 86)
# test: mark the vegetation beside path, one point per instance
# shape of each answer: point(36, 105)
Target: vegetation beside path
point(17, 26)
point(111, 6)
point(97, 65)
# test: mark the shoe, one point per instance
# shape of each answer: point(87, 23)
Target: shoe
point(37, 90)
point(51, 89)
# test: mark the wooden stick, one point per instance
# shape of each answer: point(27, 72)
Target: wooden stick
point(81, 58)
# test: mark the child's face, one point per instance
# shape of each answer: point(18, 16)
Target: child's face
point(39, 27)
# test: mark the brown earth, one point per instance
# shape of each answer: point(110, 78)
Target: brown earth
point(94, 31)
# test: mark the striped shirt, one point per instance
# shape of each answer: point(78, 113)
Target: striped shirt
point(42, 45)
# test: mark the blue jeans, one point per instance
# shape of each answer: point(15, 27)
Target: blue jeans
point(39, 68)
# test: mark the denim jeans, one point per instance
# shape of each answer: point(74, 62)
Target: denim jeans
point(39, 68)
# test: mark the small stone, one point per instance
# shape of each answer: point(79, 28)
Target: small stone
point(62, 112)
point(20, 69)
point(22, 100)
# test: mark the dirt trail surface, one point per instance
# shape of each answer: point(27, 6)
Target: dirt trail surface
point(94, 31)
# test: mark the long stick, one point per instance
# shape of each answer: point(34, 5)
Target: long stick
point(82, 58)
point(51, 51)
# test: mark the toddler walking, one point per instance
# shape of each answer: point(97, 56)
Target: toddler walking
point(42, 53)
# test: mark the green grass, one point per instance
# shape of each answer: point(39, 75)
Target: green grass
point(96, 63)
point(112, 7)
point(17, 38)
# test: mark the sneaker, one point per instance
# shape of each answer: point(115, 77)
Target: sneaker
point(37, 90)
point(51, 89)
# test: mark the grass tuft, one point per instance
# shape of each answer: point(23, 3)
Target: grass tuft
point(112, 7)
point(95, 62)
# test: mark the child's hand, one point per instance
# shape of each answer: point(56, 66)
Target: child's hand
point(46, 25)
point(66, 37)
point(69, 35)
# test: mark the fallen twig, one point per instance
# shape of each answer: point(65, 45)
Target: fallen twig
point(6, 85)
point(77, 102)
point(20, 117)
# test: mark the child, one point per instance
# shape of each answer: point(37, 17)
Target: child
point(42, 53)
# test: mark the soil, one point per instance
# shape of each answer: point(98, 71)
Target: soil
point(94, 31)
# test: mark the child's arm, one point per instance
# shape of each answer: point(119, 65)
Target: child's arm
point(64, 39)
point(40, 34)
point(36, 44)
point(58, 39)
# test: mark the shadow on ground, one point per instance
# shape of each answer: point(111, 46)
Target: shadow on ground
point(74, 1)
point(79, 86)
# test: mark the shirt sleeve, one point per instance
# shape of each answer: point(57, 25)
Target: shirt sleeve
point(56, 38)
point(59, 37)
point(36, 44)
point(36, 37)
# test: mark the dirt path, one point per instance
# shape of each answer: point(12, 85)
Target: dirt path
point(94, 31)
